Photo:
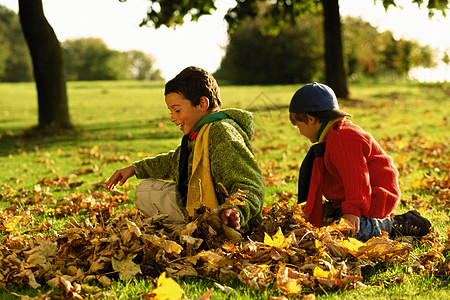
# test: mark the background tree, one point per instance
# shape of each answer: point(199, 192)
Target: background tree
point(361, 47)
point(91, 59)
point(252, 57)
point(48, 66)
point(141, 66)
point(172, 12)
point(446, 59)
point(335, 65)
point(371, 54)
point(15, 62)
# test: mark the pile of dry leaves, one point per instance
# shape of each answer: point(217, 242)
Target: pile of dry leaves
point(284, 252)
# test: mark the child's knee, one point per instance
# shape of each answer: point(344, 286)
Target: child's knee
point(154, 196)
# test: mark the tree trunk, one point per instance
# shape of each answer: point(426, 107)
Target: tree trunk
point(48, 66)
point(335, 64)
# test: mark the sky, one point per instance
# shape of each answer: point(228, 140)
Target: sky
point(203, 43)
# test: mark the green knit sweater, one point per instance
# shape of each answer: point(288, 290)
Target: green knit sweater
point(232, 161)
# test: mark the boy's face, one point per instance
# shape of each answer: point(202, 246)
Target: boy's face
point(309, 129)
point(183, 113)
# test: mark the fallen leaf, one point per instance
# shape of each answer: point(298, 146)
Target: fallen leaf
point(206, 295)
point(278, 240)
point(127, 268)
point(167, 288)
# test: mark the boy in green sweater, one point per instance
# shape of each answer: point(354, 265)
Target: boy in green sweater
point(214, 161)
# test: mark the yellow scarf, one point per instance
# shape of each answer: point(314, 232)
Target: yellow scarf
point(325, 131)
point(200, 187)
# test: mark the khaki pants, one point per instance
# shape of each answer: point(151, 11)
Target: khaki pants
point(155, 196)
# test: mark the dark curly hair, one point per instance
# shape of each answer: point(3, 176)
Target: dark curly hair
point(193, 83)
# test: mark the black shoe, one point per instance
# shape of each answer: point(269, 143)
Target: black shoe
point(411, 224)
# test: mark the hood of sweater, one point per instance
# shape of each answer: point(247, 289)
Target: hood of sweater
point(243, 118)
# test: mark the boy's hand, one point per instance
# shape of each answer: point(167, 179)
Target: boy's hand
point(231, 217)
point(354, 220)
point(120, 176)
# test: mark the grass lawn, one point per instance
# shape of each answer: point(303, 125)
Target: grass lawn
point(120, 122)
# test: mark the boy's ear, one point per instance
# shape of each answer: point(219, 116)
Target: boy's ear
point(204, 103)
point(312, 119)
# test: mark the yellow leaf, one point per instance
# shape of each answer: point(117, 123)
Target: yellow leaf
point(12, 223)
point(351, 245)
point(278, 240)
point(94, 149)
point(235, 201)
point(264, 267)
point(318, 244)
point(167, 289)
point(318, 272)
point(293, 287)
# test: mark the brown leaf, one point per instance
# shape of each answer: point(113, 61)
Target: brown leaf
point(181, 270)
point(206, 295)
point(40, 296)
point(104, 280)
point(39, 256)
point(288, 281)
point(231, 233)
point(28, 274)
point(99, 265)
point(127, 268)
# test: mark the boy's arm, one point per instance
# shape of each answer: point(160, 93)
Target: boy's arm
point(234, 166)
point(354, 220)
point(163, 166)
point(119, 177)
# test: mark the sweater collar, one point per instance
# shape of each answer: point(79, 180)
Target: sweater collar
point(215, 116)
point(325, 128)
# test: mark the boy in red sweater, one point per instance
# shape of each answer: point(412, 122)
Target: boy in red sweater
point(349, 168)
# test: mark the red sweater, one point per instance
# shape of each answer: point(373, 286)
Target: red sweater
point(359, 173)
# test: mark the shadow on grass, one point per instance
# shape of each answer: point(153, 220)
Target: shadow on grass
point(29, 140)
point(16, 140)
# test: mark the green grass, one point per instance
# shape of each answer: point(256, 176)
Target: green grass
point(120, 122)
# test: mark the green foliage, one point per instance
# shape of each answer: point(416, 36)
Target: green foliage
point(446, 59)
point(172, 12)
point(293, 54)
point(280, 12)
point(374, 54)
point(91, 59)
point(277, 13)
point(431, 5)
point(361, 46)
point(140, 66)
point(15, 61)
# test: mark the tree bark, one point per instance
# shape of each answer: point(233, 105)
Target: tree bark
point(48, 66)
point(335, 64)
